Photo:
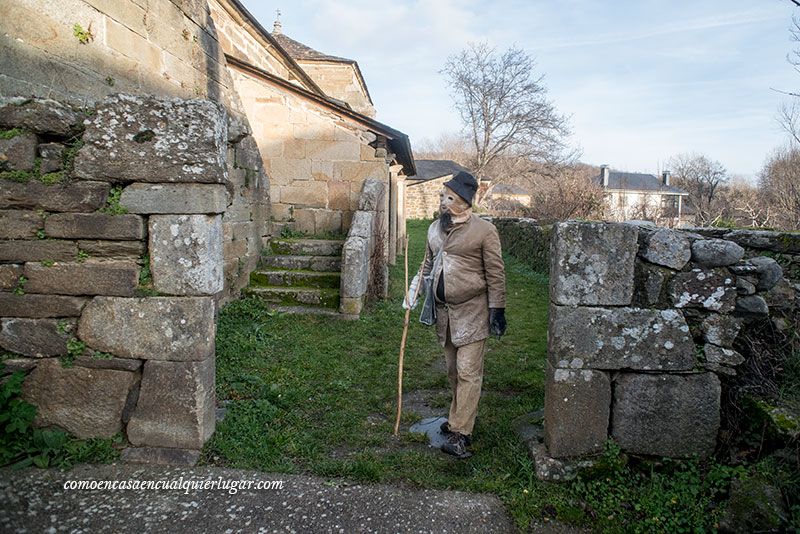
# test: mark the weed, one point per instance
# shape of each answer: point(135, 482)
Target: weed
point(82, 256)
point(113, 207)
point(20, 289)
point(40, 234)
point(16, 176)
point(52, 178)
point(22, 445)
point(47, 263)
point(83, 36)
point(11, 134)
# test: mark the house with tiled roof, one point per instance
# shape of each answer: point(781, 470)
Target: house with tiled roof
point(640, 196)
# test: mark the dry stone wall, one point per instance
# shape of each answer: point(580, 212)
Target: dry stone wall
point(365, 271)
point(120, 232)
point(422, 198)
point(642, 327)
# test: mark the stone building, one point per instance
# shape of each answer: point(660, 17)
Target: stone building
point(421, 198)
point(150, 150)
point(313, 123)
point(631, 195)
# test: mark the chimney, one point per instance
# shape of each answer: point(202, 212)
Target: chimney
point(665, 177)
point(276, 26)
point(604, 174)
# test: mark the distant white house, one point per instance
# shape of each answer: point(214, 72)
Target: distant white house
point(630, 195)
point(509, 196)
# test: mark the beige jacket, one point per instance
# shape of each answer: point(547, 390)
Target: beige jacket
point(474, 278)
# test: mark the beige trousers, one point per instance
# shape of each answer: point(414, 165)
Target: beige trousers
point(465, 373)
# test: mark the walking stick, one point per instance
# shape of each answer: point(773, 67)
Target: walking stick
point(405, 336)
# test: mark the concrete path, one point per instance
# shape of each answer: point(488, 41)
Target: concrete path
point(33, 500)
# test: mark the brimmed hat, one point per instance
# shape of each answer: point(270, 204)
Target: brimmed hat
point(464, 185)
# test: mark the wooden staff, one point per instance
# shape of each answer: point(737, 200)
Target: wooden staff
point(405, 334)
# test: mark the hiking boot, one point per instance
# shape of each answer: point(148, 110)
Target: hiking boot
point(457, 446)
point(445, 429)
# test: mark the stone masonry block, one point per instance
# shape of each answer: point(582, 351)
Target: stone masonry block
point(362, 225)
point(710, 289)
point(18, 153)
point(20, 224)
point(619, 338)
point(668, 248)
point(667, 415)
point(176, 405)
point(372, 195)
point(186, 254)
point(113, 278)
point(174, 198)
point(74, 196)
point(155, 328)
point(355, 267)
point(36, 338)
point(576, 409)
point(149, 139)
point(9, 278)
point(37, 115)
point(39, 306)
point(593, 263)
point(310, 194)
point(38, 250)
point(86, 402)
point(94, 226)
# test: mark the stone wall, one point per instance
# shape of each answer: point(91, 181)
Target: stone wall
point(316, 161)
point(113, 250)
point(526, 241)
point(340, 80)
point(642, 328)
point(365, 272)
point(422, 198)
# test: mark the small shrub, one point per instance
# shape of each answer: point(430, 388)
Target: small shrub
point(83, 36)
point(113, 207)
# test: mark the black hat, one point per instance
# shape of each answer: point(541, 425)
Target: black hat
point(464, 185)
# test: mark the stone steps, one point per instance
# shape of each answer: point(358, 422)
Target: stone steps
point(301, 278)
point(309, 263)
point(307, 247)
point(296, 296)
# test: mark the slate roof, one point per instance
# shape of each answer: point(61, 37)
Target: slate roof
point(300, 52)
point(430, 169)
point(509, 189)
point(635, 181)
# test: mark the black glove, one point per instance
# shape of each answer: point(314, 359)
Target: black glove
point(497, 321)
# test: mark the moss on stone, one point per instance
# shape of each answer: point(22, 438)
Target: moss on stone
point(11, 134)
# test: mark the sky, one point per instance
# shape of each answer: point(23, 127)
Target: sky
point(641, 80)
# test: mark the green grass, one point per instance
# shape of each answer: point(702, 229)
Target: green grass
point(318, 395)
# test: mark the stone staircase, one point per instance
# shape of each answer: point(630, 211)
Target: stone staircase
point(299, 276)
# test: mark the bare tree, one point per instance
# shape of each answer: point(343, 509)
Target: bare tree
point(503, 105)
point(561, 191)
point(701, 177)
point(779, 182)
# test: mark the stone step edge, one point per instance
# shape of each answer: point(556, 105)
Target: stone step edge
point(332, 294)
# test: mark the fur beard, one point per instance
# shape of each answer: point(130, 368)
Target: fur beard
point(446, 220)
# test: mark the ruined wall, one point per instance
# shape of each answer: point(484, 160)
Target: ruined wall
point(365, 273)
point(317, 162)
point(156, 47)
point(642, 328)
point(422, 198)
point(111, 261)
